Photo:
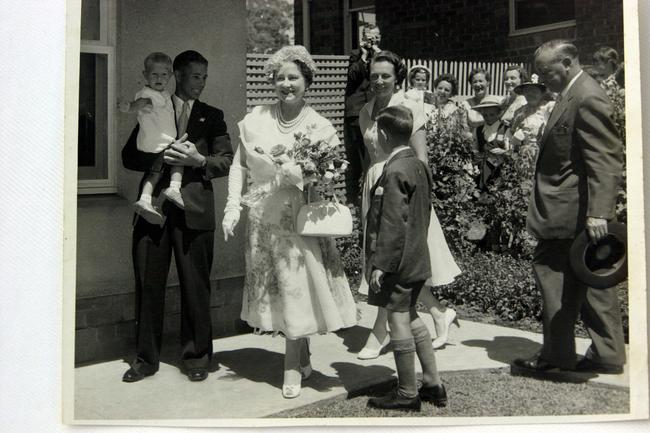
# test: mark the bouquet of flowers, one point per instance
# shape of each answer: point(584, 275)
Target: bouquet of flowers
point(309, 161)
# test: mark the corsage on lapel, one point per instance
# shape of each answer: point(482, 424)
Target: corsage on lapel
point(379, 191)
point(202, 119)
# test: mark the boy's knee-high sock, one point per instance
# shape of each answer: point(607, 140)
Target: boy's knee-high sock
point(426, 356)
point(404, 353)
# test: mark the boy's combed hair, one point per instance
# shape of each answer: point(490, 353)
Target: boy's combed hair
point(396, 121)
point(157, 57)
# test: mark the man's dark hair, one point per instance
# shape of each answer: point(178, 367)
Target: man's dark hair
point(396, 121)
point(186, 57)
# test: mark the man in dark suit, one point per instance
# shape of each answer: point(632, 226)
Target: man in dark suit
point(397, 260)
point(357, 94)
point(578, 171)
point(189, 233)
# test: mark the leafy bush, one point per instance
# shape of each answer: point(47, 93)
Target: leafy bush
point(497, 284)
point(351, 250)
point(506, 204)
point(453, 170)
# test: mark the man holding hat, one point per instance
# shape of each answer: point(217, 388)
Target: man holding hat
point(578, 172)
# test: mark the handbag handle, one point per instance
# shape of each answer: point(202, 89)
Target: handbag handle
point(336, 199)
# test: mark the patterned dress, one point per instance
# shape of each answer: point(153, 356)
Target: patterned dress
point(294, 285)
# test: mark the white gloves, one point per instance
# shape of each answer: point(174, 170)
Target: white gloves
point(230, 220)
point(236, 179)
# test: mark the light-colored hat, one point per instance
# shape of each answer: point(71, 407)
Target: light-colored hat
point(490, 101)
point(534, 81)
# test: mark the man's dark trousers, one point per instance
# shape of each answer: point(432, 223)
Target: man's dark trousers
point(565, 297)
point(193, 251)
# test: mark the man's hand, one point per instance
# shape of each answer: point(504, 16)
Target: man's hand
point(376, 279)
point(183, 152)
point(596, 228)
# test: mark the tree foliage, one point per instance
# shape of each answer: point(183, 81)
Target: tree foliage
point(269, 25)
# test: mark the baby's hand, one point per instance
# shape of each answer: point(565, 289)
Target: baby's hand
point(124, 106)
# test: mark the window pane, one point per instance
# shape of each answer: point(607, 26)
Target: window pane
point(360, 20)
point(93, 117)
point(90, 20)
point(533, 13)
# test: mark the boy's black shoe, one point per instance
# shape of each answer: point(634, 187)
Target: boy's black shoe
point(393, 400)
point(436, 394)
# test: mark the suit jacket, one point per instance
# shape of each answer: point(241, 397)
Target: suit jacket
point(357, 89)
point(579, 166)
point(398, 220)
point(207, 130)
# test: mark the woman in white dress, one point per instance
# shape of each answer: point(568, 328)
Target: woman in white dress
point(294, 285)
point(387, 72)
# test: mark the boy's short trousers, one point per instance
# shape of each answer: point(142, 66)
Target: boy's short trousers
point(394, 296)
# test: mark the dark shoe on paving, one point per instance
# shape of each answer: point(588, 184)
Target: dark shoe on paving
point(586, 365)
point(436, 394)
point(136, 374)
point(394, 401)
point(197, 374)
point(536, 363)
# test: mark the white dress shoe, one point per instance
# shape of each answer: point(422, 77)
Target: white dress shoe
point(367, 353)
point(443, 336)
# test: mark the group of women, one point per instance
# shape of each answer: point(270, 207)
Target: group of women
point(295, 286)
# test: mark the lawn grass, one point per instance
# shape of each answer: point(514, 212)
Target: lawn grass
point(487, 392)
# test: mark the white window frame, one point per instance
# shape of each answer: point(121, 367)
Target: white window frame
point(106, 46)
point(536, 29)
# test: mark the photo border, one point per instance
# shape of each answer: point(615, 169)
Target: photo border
point(638, 338)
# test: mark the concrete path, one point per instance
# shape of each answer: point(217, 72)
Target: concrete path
point(249, 379)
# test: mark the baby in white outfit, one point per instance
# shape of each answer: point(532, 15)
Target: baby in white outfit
point(157, 131)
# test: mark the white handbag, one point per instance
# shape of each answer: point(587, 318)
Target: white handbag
point(324, 219)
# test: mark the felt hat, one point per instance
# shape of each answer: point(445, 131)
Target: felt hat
point(490, 101)
point(533, 82)
point(604, 264)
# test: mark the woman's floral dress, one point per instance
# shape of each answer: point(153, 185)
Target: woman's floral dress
point(294, 285)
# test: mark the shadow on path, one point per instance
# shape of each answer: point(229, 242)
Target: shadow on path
point(506, 349)
point(355, 377)
point(261, 365)
point(354, 338)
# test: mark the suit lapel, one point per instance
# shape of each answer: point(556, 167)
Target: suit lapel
point(560, 108)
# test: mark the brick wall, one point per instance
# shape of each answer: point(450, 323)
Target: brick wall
point(105, 325)
point(465, 29)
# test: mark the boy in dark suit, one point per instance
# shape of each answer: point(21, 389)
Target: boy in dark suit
point(398, 262)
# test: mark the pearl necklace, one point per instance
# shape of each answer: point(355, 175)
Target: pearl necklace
point(285, 126)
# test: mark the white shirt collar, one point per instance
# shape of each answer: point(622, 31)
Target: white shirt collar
point(178, 105)
point(571, 83)
point(395, 151)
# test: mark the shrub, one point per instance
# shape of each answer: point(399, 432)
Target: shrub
point(351, 251)
point(497, 284)
point(506, 204)
point(452, 169)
